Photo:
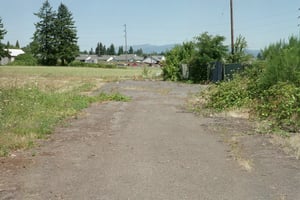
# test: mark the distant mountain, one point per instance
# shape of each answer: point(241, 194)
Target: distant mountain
point(148, 48)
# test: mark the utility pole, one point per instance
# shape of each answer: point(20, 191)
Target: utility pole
point(232, 29)
point(299, 24)
point(125, 31)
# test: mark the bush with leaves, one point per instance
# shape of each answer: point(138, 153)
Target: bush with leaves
point(281, 105)
point(269, 88)
point(282, 63)
point(198, 54)
point(180, 54)
point(229, 95)
point(26, 59)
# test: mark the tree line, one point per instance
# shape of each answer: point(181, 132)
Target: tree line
point(101, 50)
point(54, 41)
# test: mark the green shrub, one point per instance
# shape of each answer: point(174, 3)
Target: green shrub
point(282, 63)
point(269, 88)
point(228, 95)
point(26, 59)
point(281, 105)
point(180, 54)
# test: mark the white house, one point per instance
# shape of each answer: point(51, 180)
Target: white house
point(13, 53)
point(88, 58)
point(154, 59)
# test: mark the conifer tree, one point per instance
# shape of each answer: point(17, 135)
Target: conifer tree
point(120, 51)
point(111, 50)
point(3, 52)
point(17, 44)
point(44, 37)
point(66, 35)
point(130, 50)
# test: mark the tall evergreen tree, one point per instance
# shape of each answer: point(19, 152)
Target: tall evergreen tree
point(44, 37)
point(91, 52)
point(17, 44)
point(139, 52)
point(130, 50)
point(8, 45)
point(3, 52)
point(111, 50)
point(103, 50)
point(120, 51)
point(66, 35)
point(97, 50)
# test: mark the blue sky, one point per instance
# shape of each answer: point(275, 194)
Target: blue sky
point(159, 22)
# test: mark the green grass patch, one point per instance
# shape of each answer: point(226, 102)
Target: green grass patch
point(27, 113)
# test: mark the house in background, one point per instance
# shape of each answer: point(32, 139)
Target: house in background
point(87, 58)
point(13, 53)
point(154, 60)
point(132, 58)
point(123, 59)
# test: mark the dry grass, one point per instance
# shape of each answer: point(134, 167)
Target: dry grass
point(65, 78)
point(22, 88)
point(236, 151)
point(290, 145)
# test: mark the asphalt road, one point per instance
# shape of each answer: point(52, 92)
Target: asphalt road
point(150, 148)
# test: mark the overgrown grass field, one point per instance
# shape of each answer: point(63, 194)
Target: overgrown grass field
point(33, 100)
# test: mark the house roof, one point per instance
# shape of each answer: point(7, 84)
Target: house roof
point(104, 58)
point(86, 57)
point(15, 52)
point(154, 59)
point(128, 57)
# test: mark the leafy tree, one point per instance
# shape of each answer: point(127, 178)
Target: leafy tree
point(198, 54)
point(239, 55)
point(66, 35)
point(3, 52)
point(208, 49)
point(44, 37)
point(130, 50)
point(180, 54)
point(121, 50)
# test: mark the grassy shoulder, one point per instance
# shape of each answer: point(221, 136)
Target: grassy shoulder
point(28, 113)
point(275, 109)
point(270, 89)
point(33, 100)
